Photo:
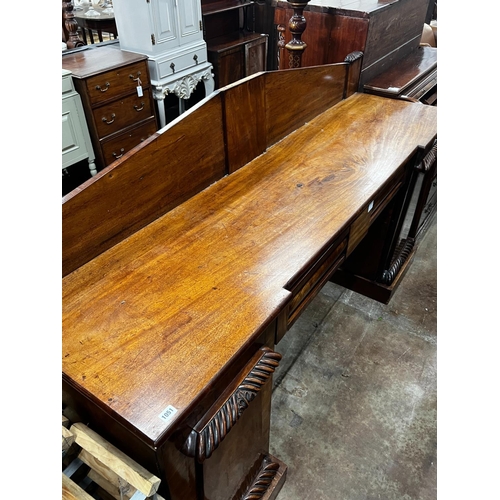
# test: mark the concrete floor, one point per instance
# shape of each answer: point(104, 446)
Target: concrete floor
point(354, 399)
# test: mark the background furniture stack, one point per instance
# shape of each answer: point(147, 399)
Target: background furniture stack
point(170, 33)
point(234, 48)
point(385, 31)
point(115, 89)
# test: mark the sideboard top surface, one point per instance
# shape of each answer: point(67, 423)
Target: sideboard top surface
point(153, 321)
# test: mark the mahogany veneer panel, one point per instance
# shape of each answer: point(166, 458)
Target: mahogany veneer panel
point(323, 86)
point(205, 144)
point(155, 319)
point(156, 183)
point(245, 107)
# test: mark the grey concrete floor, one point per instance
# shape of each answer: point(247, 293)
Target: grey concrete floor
point(355, 396)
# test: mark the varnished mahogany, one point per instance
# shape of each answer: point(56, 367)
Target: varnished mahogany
point(213, 235)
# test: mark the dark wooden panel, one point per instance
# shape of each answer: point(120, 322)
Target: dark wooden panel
point(315, 90)
point(144, 185)
point(348, 34)
point(394, 27)
point(244, 109)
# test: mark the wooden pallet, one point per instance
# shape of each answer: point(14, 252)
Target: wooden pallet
point(114, 475)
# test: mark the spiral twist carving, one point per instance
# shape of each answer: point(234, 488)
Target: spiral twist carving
point(261, 484)
point(202, 444)
point(353, 56)
point(406, 247)
point(429, 158)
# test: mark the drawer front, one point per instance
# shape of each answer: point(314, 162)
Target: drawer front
point(173, 65)
point(115, 148)
point(117, 82)
point(306, 287)
point(360, 226)
point(119, 114)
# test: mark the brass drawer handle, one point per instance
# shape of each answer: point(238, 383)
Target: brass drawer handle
point(195, 57)
point(105, 120)
point(135, 79)
point(172, 67)
point(139, 109)
point(120, 155)
point(98, 87)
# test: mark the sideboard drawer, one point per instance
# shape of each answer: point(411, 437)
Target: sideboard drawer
point(119, 114)
point(122, 143)
point(306, 286)
point(117, 82)
point(371, 210)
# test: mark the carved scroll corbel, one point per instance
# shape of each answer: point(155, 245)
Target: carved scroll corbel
point(429, 158)
point(211, 430)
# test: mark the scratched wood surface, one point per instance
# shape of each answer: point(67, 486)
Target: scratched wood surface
point(152, 321)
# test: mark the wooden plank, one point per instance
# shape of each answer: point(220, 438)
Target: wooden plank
point(108, 456)
point(68, 438)
point(71, 491)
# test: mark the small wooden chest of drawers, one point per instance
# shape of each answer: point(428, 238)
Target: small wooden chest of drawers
point(116, 93)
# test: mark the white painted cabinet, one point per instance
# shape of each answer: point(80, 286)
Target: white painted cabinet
point(170, 33)
point(76, 144)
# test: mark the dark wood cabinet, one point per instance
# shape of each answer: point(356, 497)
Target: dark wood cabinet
point(117, 99)
point(234, 48)
point(384, 31)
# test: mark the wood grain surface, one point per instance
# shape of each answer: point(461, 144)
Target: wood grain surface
point(154, 320)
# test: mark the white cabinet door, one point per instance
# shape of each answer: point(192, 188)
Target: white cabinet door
point(190, 26)
point(165, 25)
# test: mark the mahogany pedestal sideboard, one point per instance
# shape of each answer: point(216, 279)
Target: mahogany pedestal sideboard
point(206, 253)
point(116, 94)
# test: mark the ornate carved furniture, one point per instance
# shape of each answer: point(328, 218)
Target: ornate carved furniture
point(170, 33)
point(70, 34)
point(116, 93)
point(76, 144)
point(234, 48)
point(205, 254)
